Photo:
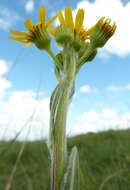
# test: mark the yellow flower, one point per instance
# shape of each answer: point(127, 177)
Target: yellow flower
point(102, 32)
point(67, 20)
point(37, 33)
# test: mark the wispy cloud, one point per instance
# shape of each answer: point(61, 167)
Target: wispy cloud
point(87, 89)
point(113, 88)
point(29, 6)
point(7, 17)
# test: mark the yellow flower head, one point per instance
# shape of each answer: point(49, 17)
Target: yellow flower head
point(102, 32)
point(67, 20)
point(37, 33)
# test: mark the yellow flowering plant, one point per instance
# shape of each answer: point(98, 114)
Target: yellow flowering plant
point(79, 46)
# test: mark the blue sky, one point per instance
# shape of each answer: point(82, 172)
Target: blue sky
point(102, 94)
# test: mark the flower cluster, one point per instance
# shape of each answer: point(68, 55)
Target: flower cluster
point(68, 33)
point(68, 30)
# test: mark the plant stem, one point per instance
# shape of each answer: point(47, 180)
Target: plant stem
point(86, 55)
point(60, 100)
point(56, 61)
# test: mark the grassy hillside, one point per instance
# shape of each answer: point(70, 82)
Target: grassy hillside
point(104, 159)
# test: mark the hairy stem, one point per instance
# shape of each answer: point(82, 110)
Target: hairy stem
point(84, 58)
point(59, 103)
point(56, 61)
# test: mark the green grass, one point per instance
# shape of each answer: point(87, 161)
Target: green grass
point(101, 155)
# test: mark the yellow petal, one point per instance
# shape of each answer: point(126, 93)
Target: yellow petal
point(49, 22)
point(69, 17)
point(27, 45)
point(28, 24)
point(101, 20)
point(51, 31)
point(18, 33)
point(107, 21)
point(90, 29)
point(61, 18)
point(42, 14)
point(114, 26)
point(22, 40)
point(79, 20)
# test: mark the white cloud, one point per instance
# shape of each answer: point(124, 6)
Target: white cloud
point(118, 88)
point(119, 44)
point(29, 6)
point(4, 85)
point(93, 121)
point(7, 18)
point(22, 110)
point(87, 89)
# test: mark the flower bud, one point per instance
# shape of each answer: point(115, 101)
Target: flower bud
point(83, 49)
point(87, 53)
point(92, 55)
point(102, 32)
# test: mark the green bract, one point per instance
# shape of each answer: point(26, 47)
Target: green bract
point(42, 39)
point(64, 35)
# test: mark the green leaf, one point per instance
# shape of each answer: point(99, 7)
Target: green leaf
point(57, 73)
point(71, 178)
point(71, 91)
point(55, 97)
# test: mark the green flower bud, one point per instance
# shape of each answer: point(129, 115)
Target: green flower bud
point(102, 32)
point(86, 53)
point(92, 55)
point(64, 34)
point(83, 49)
point(87, 56)
point(77, 43)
